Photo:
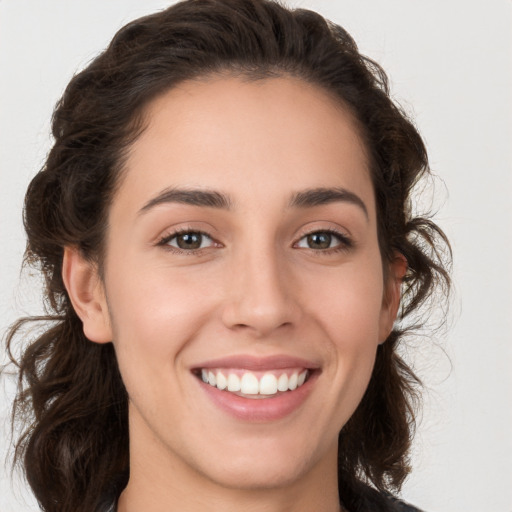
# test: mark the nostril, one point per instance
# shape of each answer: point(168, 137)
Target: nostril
point(259, 319)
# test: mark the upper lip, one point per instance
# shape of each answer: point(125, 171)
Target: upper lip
point(256, 363)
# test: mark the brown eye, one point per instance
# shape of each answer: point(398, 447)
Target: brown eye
point(319, 240)
point(323, 240)
point(190, 241)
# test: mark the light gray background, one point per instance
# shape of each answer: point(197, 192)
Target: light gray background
point(450, 65)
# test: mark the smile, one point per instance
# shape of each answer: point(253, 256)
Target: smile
point(251, 384)
point(257, 389)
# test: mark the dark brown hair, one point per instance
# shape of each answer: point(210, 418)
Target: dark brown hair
point(71, 398)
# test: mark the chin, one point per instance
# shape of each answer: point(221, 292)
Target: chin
point(272, 473)
point(264, 464)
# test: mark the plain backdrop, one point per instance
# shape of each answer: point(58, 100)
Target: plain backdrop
point(450, 67)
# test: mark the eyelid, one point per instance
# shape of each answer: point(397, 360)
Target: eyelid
point(185, 226)
point(345, 240)
point(163, 241)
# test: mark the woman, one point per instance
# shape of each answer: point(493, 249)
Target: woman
point(224, 227)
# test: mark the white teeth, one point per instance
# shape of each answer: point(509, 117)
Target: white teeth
point(268, 384)
point(292, 382)
point(282, 383)
point(233, 382)
point(249, 384)
point(222, 382)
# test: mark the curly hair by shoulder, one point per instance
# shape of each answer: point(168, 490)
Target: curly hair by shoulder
point(71, 399)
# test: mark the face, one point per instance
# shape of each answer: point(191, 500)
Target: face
point(243, 281)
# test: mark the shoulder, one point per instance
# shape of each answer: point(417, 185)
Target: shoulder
point(108, 501)
point(396, 505)
point(371, 500)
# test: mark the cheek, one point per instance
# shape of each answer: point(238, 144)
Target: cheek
point(348, 311)
point(348, 303)
point(153, 319)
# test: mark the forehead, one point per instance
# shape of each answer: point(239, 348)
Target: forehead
point(272, 135)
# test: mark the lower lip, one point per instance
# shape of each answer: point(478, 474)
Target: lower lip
point(259, 409)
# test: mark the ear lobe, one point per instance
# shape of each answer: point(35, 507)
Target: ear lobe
point(86, 292)
point(392, 295)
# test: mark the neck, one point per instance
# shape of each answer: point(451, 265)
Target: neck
point(137, 497)
point(160, 482)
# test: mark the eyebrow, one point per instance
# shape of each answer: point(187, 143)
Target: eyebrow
point(214, 199)
point(194, 197)
point(320, 196)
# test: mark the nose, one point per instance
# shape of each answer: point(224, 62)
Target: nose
point(261, 297)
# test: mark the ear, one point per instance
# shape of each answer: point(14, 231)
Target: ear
point(392, 294)
point(85, 289)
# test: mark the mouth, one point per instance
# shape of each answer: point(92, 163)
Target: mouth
point(257, 389)
point(254, 384)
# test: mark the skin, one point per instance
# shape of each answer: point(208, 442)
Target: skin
point(256, 287)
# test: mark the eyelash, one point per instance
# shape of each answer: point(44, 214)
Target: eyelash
point(344, 242)
point(165, 241)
